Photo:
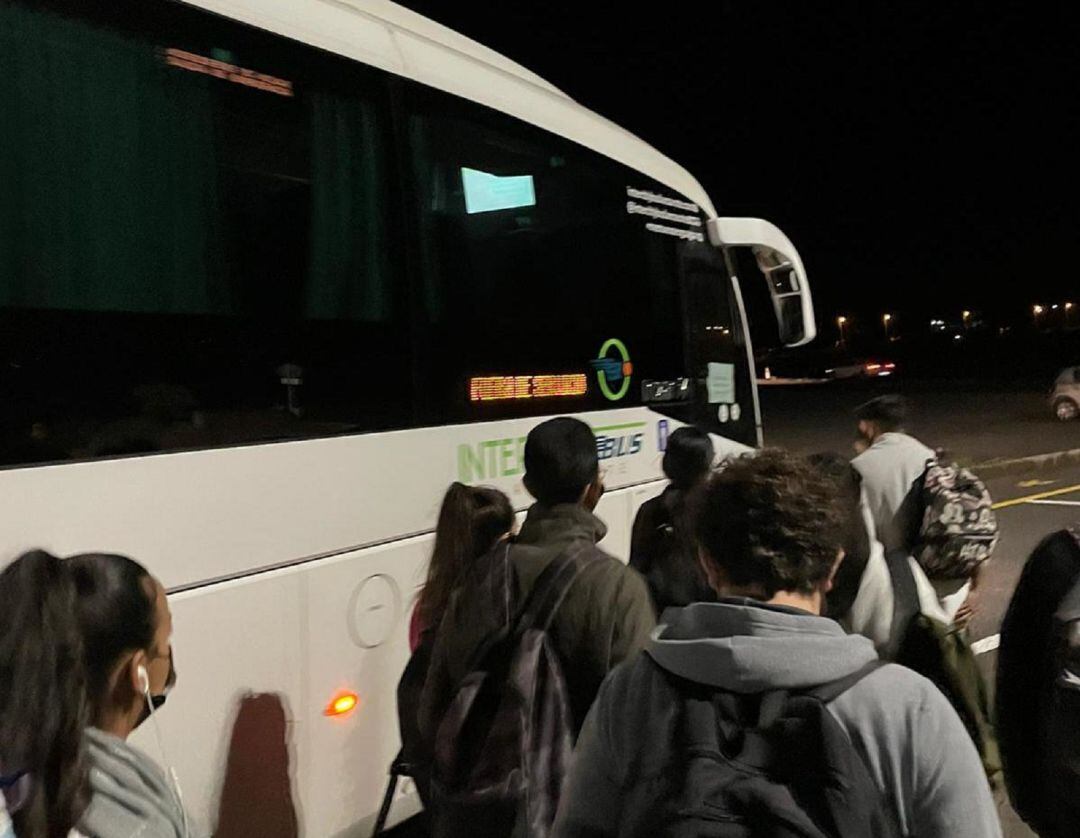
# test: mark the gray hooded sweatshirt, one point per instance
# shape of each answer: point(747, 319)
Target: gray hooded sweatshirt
point(131, 796)
point(903, 728)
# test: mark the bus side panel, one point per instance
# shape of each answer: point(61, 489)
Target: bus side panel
point(229, 727)
point(359, 607)
point(260, 660)
point(615, 509)
point(198, 516)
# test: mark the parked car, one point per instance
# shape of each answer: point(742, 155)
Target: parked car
point(1065, 397)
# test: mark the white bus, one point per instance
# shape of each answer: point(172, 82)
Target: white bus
point(273, 273)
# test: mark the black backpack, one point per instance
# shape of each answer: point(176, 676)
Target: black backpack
point(771, 765)
point(503, 748)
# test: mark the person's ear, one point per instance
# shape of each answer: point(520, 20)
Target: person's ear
point(590, 497)
point(134, 674)
point(713, 575)
point(827, 585)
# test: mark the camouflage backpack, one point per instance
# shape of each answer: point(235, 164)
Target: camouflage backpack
point(959, 529)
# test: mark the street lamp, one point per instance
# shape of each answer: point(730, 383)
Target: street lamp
point(967, 318)
point(841, 322)
point(1037, 310)
point(886, 319)
point(1068, 313)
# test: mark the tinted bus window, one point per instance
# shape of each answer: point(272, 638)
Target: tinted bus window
point(194, 240)
point(536, 277)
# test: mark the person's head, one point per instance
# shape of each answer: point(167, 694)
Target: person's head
point(883, 415)
point(561, 464)
point(768, 526)
point(471, 520)
point(855, 539)
point(43, 702)
point(126, 625)
point(688, 457)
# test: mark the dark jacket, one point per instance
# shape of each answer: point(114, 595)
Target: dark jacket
point(605, 618)
point(663, 552)
point(1038, 691)
point(909, 738)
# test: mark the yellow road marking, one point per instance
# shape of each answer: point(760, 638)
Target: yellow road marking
point(1017, 501)
point(1031, 484)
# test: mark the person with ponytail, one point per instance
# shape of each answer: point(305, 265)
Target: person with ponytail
point(124, 617)
point(661, 548)
point(44, 785)
point(472, 520)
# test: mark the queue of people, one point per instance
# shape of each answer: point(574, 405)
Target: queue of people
point(809, 674)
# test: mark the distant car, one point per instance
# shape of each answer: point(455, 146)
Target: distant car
point(1065, 397)
point(822, 365)
point(869, 368)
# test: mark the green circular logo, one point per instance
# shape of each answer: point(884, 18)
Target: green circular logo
point(611, 371)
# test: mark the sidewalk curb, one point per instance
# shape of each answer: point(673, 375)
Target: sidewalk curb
point(1020, 465)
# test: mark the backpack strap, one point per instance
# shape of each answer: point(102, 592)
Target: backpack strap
point(498, 585)
point(540, 604)
point(906, 605)
point(551, 587)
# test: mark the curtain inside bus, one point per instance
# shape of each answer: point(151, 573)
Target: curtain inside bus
point(108, 172)
point(348, 275)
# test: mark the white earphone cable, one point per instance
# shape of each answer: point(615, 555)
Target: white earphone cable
point(175, 781)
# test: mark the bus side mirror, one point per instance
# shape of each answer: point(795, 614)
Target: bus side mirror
point(783, 269)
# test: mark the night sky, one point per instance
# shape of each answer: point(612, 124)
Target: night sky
point(919, 155)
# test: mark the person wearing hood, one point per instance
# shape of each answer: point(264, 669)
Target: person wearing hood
point(126, 628)
point(770, 534)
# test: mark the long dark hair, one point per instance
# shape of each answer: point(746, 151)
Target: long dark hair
point(471, 520)
point(43, 702)
point(688, 457)
point(116, 612)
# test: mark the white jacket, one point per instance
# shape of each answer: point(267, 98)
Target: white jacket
point(871, 614)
